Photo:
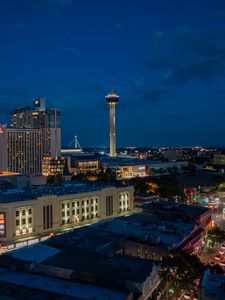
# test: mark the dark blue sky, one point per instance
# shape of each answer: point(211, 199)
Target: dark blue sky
point(167, 59)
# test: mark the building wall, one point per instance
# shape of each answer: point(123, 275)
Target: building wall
point(3, 149)
point(47, 120)
point(21, 150)
point(53, 213)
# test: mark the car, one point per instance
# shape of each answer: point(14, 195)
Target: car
point(217, 257)
point(222, 263)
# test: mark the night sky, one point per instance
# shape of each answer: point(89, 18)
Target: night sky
point(166, 58)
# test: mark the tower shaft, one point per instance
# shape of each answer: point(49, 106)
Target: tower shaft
point(112, 114)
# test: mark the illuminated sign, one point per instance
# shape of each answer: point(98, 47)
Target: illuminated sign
point(141, 168)
point(2, 224)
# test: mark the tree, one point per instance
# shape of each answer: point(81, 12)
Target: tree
point(215, 236)
point(152, 188)
point(221, 186)
point(181, 269)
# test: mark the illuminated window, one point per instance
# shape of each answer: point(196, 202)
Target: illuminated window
point(17, 232)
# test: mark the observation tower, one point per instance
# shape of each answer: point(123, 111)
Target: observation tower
point(112, 99)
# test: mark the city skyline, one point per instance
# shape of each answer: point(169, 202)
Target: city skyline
point(167, 61)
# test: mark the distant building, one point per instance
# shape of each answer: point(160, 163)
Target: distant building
point(173, 154)
point(82, 164)
point(219, 159)
point(11, 181)
point(132, 167)
point(53, 166)
point(21, 150)
point(131, 171)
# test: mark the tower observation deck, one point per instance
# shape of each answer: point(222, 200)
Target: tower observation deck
point(112, 99)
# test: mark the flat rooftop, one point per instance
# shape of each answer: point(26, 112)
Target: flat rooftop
point(104, 237)
point(213, 285)
point(123, 161)
point(175, 208)
point(35, 192)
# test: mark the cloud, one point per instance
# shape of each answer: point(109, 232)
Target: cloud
point(119, 26)
point(174, 116)
point(55, 3)
point(50, 6)
point(154, 95)
point(73, 50)
point(21, 26)
point(141, 93)
point(10, 98)
point(187, 53)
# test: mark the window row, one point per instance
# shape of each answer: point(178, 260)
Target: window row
point(23, 222)
point(124, 202)
point(83, 202)
point(78, 211)
point(87, 217)
point(23, 212)
point(124, 196)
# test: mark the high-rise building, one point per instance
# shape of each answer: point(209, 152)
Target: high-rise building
point(47, 120)
point(112, 99)
point(20, 150)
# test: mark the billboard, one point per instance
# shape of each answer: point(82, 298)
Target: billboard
point(2, 224)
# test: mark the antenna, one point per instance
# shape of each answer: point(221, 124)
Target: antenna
point(111, 84)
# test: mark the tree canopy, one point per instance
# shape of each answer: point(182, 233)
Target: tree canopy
point(181, 269)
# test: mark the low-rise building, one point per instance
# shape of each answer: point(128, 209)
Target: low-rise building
point(172, 211)
point(212, 285)
point(82, 164)
point(53, 166)
point(45, 271)
point(37, 211)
